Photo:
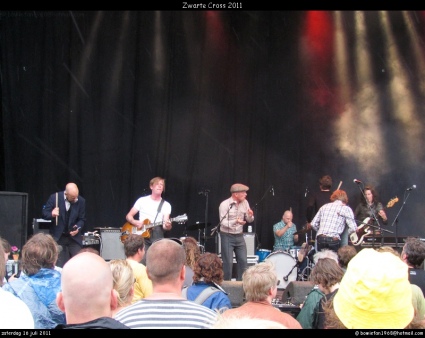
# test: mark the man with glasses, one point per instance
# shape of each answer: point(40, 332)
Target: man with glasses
point(165, 308)
point(67, 212)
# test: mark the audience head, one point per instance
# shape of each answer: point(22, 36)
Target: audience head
point(325, 182)
point(164, 261)
point(192, 251)
point(86, 296)
point(374, 293)
point(260, 282)
point(390, 249)
point(132, 244)
point(345, 254)
point(413, 252)
point(6, 248)
point(209, 268)
point(326, 273)
point(2, 264)
point(245, 322)
point(325, 253)
point(339, 195)
point(123, 280)
point(40, 251)
point(89, 249)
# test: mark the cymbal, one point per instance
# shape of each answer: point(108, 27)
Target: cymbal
point(198, 226)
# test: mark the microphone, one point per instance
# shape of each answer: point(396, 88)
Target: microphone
point(306, 192)
point(357, 181)
point(231, 205)
point(411, 188)
point(203, 192)
point(272, 190)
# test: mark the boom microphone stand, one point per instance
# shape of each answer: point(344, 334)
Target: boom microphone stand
point(399, 211)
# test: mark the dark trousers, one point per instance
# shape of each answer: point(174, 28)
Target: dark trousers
point(324, 242)
point(233, 243)
point(68, 248)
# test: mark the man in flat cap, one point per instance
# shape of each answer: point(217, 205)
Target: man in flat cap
point(234, 214)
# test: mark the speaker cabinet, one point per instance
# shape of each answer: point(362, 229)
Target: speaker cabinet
point(249, 240)
point(14, 217)
point(235, 292)
point(111, 246)
point(296, 292)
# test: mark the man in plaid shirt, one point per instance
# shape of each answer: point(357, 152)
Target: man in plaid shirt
point(330, 221)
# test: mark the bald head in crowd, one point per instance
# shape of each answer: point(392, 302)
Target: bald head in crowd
point(87, 289)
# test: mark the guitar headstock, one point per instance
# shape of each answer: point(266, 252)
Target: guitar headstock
point(392, 202)
point(180, 219)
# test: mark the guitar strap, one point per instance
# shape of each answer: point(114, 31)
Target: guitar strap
point(159, 209)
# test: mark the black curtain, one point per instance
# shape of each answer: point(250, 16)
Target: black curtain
point(111, 99)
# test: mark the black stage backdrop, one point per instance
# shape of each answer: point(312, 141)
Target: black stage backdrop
point(111, 99)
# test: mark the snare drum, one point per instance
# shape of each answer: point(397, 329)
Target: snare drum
point(262, 254)
point(286, 268)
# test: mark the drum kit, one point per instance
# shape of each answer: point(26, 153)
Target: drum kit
point(294, 264)
point(197, 226)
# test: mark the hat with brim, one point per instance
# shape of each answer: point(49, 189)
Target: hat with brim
point(375, 292)
point(238, 187)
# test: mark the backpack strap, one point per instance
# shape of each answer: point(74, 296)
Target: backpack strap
point(203, 296)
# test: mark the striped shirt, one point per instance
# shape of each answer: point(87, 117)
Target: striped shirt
point(166, 314)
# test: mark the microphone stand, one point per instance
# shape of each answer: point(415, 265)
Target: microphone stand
point(255, 218)
point(396, 217)
point(217, 227)
point(373, 216)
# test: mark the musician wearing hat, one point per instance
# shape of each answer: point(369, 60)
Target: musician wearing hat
point(234, 213)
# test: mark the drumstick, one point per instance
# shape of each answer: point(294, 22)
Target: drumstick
point(56, 207)
point(340, 183)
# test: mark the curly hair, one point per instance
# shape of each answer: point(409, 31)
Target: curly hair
point(345, 253)
point(192, 251)
point(327, 273)
point(209, 267)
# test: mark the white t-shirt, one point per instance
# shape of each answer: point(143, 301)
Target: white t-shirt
point(14, 313)
point(148, 209)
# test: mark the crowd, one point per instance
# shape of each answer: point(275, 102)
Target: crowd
point(175, 286)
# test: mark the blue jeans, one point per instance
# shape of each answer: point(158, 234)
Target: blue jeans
point(233, 243)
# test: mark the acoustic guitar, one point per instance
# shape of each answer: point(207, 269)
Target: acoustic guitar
point(363, 230)
point(145, 232)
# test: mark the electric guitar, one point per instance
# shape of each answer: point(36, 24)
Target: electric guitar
point(145, 232)
point(363, 230)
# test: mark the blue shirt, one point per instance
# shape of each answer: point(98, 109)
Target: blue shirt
point(286, 241)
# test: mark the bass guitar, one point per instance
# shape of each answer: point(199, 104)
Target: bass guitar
point(145, 232)
point(363, 230)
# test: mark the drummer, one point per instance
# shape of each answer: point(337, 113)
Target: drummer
point(284, 233)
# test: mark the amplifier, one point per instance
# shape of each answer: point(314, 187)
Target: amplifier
point(111, 246)
point(249, 238)
point(90, 239)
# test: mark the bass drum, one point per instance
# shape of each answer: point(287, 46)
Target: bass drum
point(286, 268)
